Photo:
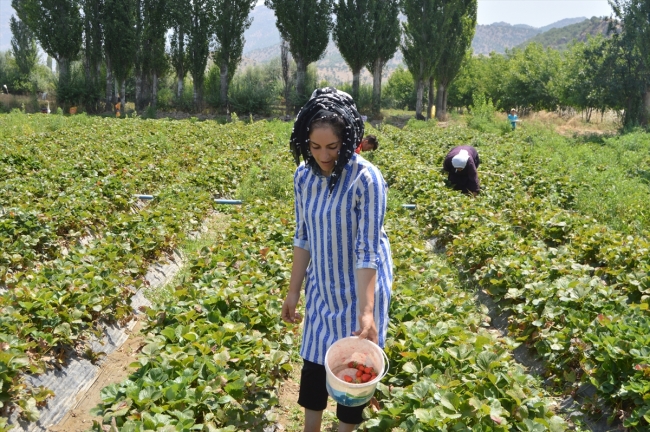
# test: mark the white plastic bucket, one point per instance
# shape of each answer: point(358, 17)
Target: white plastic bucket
point(353, 349)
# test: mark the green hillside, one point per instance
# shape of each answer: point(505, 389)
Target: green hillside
point(561, 38)
point(498, 37)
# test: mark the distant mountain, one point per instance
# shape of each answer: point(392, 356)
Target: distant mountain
point(499, 36)
point(561, 38)
point(562, 23)
point(262, 33)
point(331, 67)
point(263, 44)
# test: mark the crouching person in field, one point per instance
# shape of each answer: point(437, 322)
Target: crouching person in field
point(461, 163)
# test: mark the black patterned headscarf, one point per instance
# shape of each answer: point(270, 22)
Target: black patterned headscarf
point(326, 102)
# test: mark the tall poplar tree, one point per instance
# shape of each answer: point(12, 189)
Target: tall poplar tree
point(305, 25)
point(420, 46)
point(92, 50)
point(383, 25)
point(634, 45)
point(180, 13)
point(231, 20)
point(286, 76)
point(352, 37)
point(58, 27)
point(23, 46)
point(141, 48)
point(120, 39)
point(198, 45)
point(457, 35)
point(156, 22)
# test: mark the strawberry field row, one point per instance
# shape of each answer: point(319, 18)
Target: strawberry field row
point(73, 246)
point(577, 291)
point(216, 350)
point(221, 341)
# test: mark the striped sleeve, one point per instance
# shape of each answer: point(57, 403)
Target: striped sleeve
point(300, 239)
point(372, 208)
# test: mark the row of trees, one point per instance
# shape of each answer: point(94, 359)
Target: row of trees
point(436, 36)
point(367, 33)
point(116, 39)
point(598, 75)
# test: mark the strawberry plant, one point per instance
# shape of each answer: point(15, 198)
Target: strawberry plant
point(74, 244)
point(557, 272)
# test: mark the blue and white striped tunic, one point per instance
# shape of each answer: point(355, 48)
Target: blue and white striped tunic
point(343, 231)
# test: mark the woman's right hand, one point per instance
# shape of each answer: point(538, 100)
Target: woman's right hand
point(289, 314)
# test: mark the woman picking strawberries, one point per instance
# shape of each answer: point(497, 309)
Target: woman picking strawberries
point(341, 250)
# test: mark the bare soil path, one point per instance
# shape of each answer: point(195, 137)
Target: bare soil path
point(114, 368)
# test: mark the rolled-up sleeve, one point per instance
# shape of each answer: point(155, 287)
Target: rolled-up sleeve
point(371, 196)
point(300, 239)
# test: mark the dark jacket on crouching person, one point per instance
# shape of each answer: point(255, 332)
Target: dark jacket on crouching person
point(461, 163)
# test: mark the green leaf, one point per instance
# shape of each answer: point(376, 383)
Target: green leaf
point(424, 415)
point(421, 389)
point(191, 336)
point(151, 349)
point(410, 368)
point(485, 359)
point(30, 410)
point(557, 424)
point(450, 401)
point(169, 333)
point(109, 393)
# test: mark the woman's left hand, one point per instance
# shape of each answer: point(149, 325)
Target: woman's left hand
point(368, 328)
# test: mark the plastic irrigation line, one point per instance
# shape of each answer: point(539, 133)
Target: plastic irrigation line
point(144, 197)
point(227, 201)
point(408, 206)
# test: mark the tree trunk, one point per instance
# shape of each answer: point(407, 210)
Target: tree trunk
point(180, 69)
point(355, 85)
point(441, 103)
point(64, 68)
point(444, 103)
point(179, 88)
point(645, 115)
point(418, 99)
point(123, 107)
point(109, 85)
point(146, 90)
point(138, 91)
point(139, 55)
point(376, 87)
point(87, 53)
point(87, 48)
point(64, 71)
point(431, 97)
point(154, 90)
point(195, 96)
point(284, 58)
point(224, 83)
point(98, 73)
point(301, 72)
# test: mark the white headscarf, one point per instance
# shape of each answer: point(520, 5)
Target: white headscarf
point(460, 160)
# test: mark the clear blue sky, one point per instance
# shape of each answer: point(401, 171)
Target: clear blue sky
point(539, 13)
